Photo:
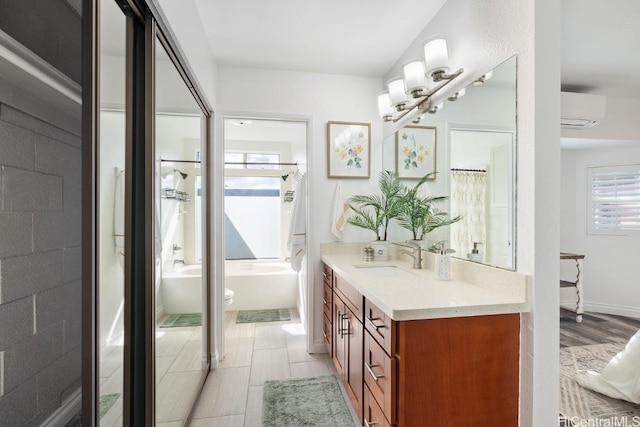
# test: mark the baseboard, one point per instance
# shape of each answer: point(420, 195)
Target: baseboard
point(70, 407)
point(619, 310)
point(318, 347)
point(215, 361)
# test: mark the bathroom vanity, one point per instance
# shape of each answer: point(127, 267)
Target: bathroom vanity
point(413, 351)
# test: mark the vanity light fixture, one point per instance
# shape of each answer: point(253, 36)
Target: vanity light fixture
point(399, 99)
point(384, 106)
point(459, 94)
point(413, 92)
point(435, 108)
point(482, 79)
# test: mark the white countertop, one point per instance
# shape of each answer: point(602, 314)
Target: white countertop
point(420, 296)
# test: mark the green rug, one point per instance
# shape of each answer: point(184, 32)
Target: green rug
point(255, 316)
point(182, 320)
point(305, 402)
point(106, 402)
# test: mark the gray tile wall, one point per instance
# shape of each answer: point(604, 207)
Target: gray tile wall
point(40, 267)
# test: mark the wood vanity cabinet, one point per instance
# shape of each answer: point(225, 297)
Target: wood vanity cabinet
point(422, 373)
point(348, 339)
point(327, 309)
point(441, 372)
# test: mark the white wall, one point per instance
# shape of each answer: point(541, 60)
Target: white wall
point(610, 278)
point(322, 98)
point(480, 35)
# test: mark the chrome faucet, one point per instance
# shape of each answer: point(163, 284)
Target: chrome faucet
point(416, 254)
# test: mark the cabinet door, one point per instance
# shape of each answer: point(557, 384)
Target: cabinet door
point(339, 340)
point(354, 366)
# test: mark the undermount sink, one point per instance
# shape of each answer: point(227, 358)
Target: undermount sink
point(383, 271)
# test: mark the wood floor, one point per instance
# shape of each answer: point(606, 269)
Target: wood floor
point(256, 352)
point(595, 328)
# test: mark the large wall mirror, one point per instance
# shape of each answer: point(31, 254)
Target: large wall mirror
point(475, 152)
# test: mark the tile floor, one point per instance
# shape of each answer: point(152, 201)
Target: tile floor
point(255, 352)
point(232, 394)
point(178, 373)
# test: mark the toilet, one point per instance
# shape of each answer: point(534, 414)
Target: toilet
point(228, 298)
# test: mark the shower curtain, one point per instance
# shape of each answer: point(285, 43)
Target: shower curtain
point(468, 198)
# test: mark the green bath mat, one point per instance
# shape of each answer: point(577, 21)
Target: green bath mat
point(315, 401)
point(255, 316)
point(106, 402)
point(182, 320)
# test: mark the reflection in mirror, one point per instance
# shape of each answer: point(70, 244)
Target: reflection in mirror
point(476, 133)
point(111, 212)
point(180, 283)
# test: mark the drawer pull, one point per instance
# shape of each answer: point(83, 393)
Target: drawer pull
point(373, 375)
point(370, 320)
point(324, 301)
point(344, 331)
point(368, 423)
point(324, 334)
point(324, 274)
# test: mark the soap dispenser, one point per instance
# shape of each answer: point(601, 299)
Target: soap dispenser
point(443, 262)
point(475, 254)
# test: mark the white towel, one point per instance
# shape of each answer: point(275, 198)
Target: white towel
point(297, 241)
point(118, 217)
point(338, 212)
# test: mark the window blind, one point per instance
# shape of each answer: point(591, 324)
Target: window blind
point(614, 200)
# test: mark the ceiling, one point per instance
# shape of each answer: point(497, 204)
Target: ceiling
point(362, 38)
point(600, 52)
point(599, 40)
point(352, 37)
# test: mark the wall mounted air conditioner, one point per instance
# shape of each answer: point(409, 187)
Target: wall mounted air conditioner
point(581, 110)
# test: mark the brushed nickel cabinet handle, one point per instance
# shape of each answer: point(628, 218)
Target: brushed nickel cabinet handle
point(368, 423)
point(324, 334)
point(344, 331)
point(370, 320)
point(373, 375)
point(324, 274)
point(324, 301)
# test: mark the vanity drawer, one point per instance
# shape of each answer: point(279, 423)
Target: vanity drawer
point(379, 325)
point(326, 333)
point(352, 298)
point(327, 273)
point(373, 415)
point(327, 301)
point(379, 375)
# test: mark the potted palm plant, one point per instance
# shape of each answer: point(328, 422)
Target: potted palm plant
point(374, 212)
point(421, 215)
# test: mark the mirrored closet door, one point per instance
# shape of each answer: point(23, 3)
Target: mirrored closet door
point(146, 280)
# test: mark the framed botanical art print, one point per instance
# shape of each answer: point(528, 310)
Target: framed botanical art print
point(415, 151)
point(349, 149)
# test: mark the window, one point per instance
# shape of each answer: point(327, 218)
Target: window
point(235, 160)
point(252, 217)
point(614, 200)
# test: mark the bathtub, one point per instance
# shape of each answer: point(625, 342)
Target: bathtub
point(261, 284)
point(182, 289)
